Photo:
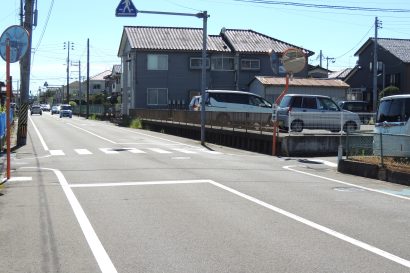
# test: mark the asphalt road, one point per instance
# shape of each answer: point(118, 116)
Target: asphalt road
point(87, 196)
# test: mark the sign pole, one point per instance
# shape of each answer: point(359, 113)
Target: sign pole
point(8, 97)
point(275, 122)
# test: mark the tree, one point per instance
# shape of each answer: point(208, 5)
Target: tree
point(388, 91)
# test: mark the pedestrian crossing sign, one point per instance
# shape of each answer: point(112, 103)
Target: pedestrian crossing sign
point(126, 9)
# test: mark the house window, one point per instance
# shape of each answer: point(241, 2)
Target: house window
point(393, 79)
point(250, 64)
point(157, 62)
point(157, 96)
point(223, 63)
point(196, 63)
point(96, 86)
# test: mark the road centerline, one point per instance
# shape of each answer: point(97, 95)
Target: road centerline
point(91, 133)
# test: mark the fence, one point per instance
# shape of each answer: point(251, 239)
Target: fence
point(235, 121)
point(3, 126)
point(97, 109)
point(387, 150)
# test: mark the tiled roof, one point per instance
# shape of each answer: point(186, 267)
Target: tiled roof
point(171, 38)
point(341, 74)
point(281, 81)
point(101, 76)
point(398, 47)
point(190, 39)
point(249, 41)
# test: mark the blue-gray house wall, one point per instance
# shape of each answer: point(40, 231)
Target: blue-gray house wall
point(183, 82)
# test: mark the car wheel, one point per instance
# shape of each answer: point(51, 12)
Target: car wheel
point(349, 126)
point(297, 126)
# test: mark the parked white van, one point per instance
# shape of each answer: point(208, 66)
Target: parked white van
point(392, 128)
point(236, 101)
point(228, 104)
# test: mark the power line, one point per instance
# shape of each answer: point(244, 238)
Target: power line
point(361, 40)
point(320, 6)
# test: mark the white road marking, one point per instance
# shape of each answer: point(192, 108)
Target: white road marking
point(321, 228)
point(103, 260)
point(160, 151)
point(295, 217)
point(91, 133)
point(83, 151)
point(325, 162)
point(143, 183)
point(135, 151)
point(56, 152)
point(184, 151)
point(108, 151)
point(289, 168)
point(39, 135)
point(20, 178)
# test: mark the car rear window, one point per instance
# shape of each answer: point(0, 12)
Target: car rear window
point(394, 110)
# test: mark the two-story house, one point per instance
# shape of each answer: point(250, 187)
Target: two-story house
point(393, 56)
point(161, 66)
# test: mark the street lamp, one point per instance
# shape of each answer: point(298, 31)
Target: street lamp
point(202, 15)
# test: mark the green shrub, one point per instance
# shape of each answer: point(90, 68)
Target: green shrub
point(388, 91)
point(136, 123)
point(93, 117)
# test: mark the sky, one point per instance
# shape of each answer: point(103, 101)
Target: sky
point(338, 29)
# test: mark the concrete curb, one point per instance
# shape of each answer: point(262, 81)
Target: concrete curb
point(373, 171)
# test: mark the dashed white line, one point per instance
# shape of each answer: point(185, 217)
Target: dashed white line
point(160, 151)
point(109, 151)
point(135, 151)
point(56, 152)
point(82, 151)
point(184, 151)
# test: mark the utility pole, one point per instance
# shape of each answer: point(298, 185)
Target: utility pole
point(327, 62)
point(68, 46)
point(79, 82)
point(25, 64)
point(377, 25)
point(320, 58)
point(88, 79)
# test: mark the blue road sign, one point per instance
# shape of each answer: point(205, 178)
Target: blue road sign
point(17, 37)
point(126, 9)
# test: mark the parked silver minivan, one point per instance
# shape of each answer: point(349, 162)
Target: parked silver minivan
point(301, 111)
point(392, 128)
